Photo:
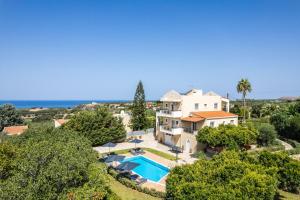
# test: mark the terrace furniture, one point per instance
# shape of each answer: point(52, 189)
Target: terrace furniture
point(141, 181)
point(139, 151)
point(176, 149)
point(133, 152)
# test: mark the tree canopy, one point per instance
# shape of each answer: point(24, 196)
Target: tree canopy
point(9, 116)
point(226, 176)
point(49, 164)
point(288, 169)
point(138, 109)
point(99, 126)
point(232, 137)
point(287, 122)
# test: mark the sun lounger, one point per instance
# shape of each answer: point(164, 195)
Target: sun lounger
point(141, 181)
point(133, 152)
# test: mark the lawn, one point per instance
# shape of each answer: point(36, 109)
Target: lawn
point(154, 151)
point(161, 154)
point(127, 193)
point(288, 196)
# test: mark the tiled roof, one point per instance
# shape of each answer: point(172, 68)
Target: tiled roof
point(14, 130)
point(192, 119)
point(199, 116)
point(213, 114)
point(61, 121)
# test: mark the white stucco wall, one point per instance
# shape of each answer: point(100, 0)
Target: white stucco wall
point(218, 122)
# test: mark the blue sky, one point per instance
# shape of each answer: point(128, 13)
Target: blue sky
point(100, 49)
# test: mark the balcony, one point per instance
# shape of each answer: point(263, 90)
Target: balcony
point(189, 130)
point(169, 113)
point(170, 130)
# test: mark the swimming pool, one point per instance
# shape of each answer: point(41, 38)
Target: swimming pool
point(148, 169)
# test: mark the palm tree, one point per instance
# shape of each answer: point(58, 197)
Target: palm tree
point(244, 87)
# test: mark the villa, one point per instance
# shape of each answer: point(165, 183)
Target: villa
point(14, 130)
point(182, 115)
point(59, 122)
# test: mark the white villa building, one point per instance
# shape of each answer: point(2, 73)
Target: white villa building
point(182, 115)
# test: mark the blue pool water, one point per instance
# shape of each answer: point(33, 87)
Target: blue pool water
point(148, 169)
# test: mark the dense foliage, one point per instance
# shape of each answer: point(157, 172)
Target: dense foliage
point(287, 122)
point(232, 137)
point(266, 134)
point(49, 163)
point(99, 126)
point(227, 176)
point(9, 116)
point(138, 119)
point(288, 169)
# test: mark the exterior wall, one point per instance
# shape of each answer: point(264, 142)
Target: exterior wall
point(188, 103)
point(168, 105)
point(218, 122)
point(181, 141)
point(125, 120)
point(56, 124)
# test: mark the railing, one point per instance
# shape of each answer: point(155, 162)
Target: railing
point(171, 130)
point(170, 113)
point(189, 130)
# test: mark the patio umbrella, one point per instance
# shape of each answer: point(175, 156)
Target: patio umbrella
point(113, 158)
point(109, 144)
point(127, 166)
point(136, 141)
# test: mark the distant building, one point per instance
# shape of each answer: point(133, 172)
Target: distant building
point(59, 122)
point(182, 115)
point(125, 119)
point(14, 130)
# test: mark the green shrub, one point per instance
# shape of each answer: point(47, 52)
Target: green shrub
point(229, 175)
point(266, 134)
point(288, 169)
point(232, 137)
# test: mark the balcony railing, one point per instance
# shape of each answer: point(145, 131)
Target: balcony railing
point(171, 130)
point(169, 113)
point(189, 130)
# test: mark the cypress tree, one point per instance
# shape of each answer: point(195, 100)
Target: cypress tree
point(138, 119)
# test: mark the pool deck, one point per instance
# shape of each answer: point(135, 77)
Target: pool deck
point(161, 185)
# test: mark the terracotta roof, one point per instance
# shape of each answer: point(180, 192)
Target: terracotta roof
point(14, 130)
point(61, 121)
point(199, 116)
point(192, 119)
point(213, 114)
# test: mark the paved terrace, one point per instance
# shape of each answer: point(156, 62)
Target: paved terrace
point(148, 141)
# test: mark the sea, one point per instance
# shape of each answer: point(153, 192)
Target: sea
point(25, 104)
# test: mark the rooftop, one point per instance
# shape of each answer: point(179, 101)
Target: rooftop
point(199, 116)
point(61, 121)
point(15, 130)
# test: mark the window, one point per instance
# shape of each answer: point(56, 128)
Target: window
point(232, 122)
point(166, 120)
point(166, 105)
point(177, 122)
point(194, 126)
point(212, 124)
point(196, 106)
point(215, 105)
point(205, 105)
